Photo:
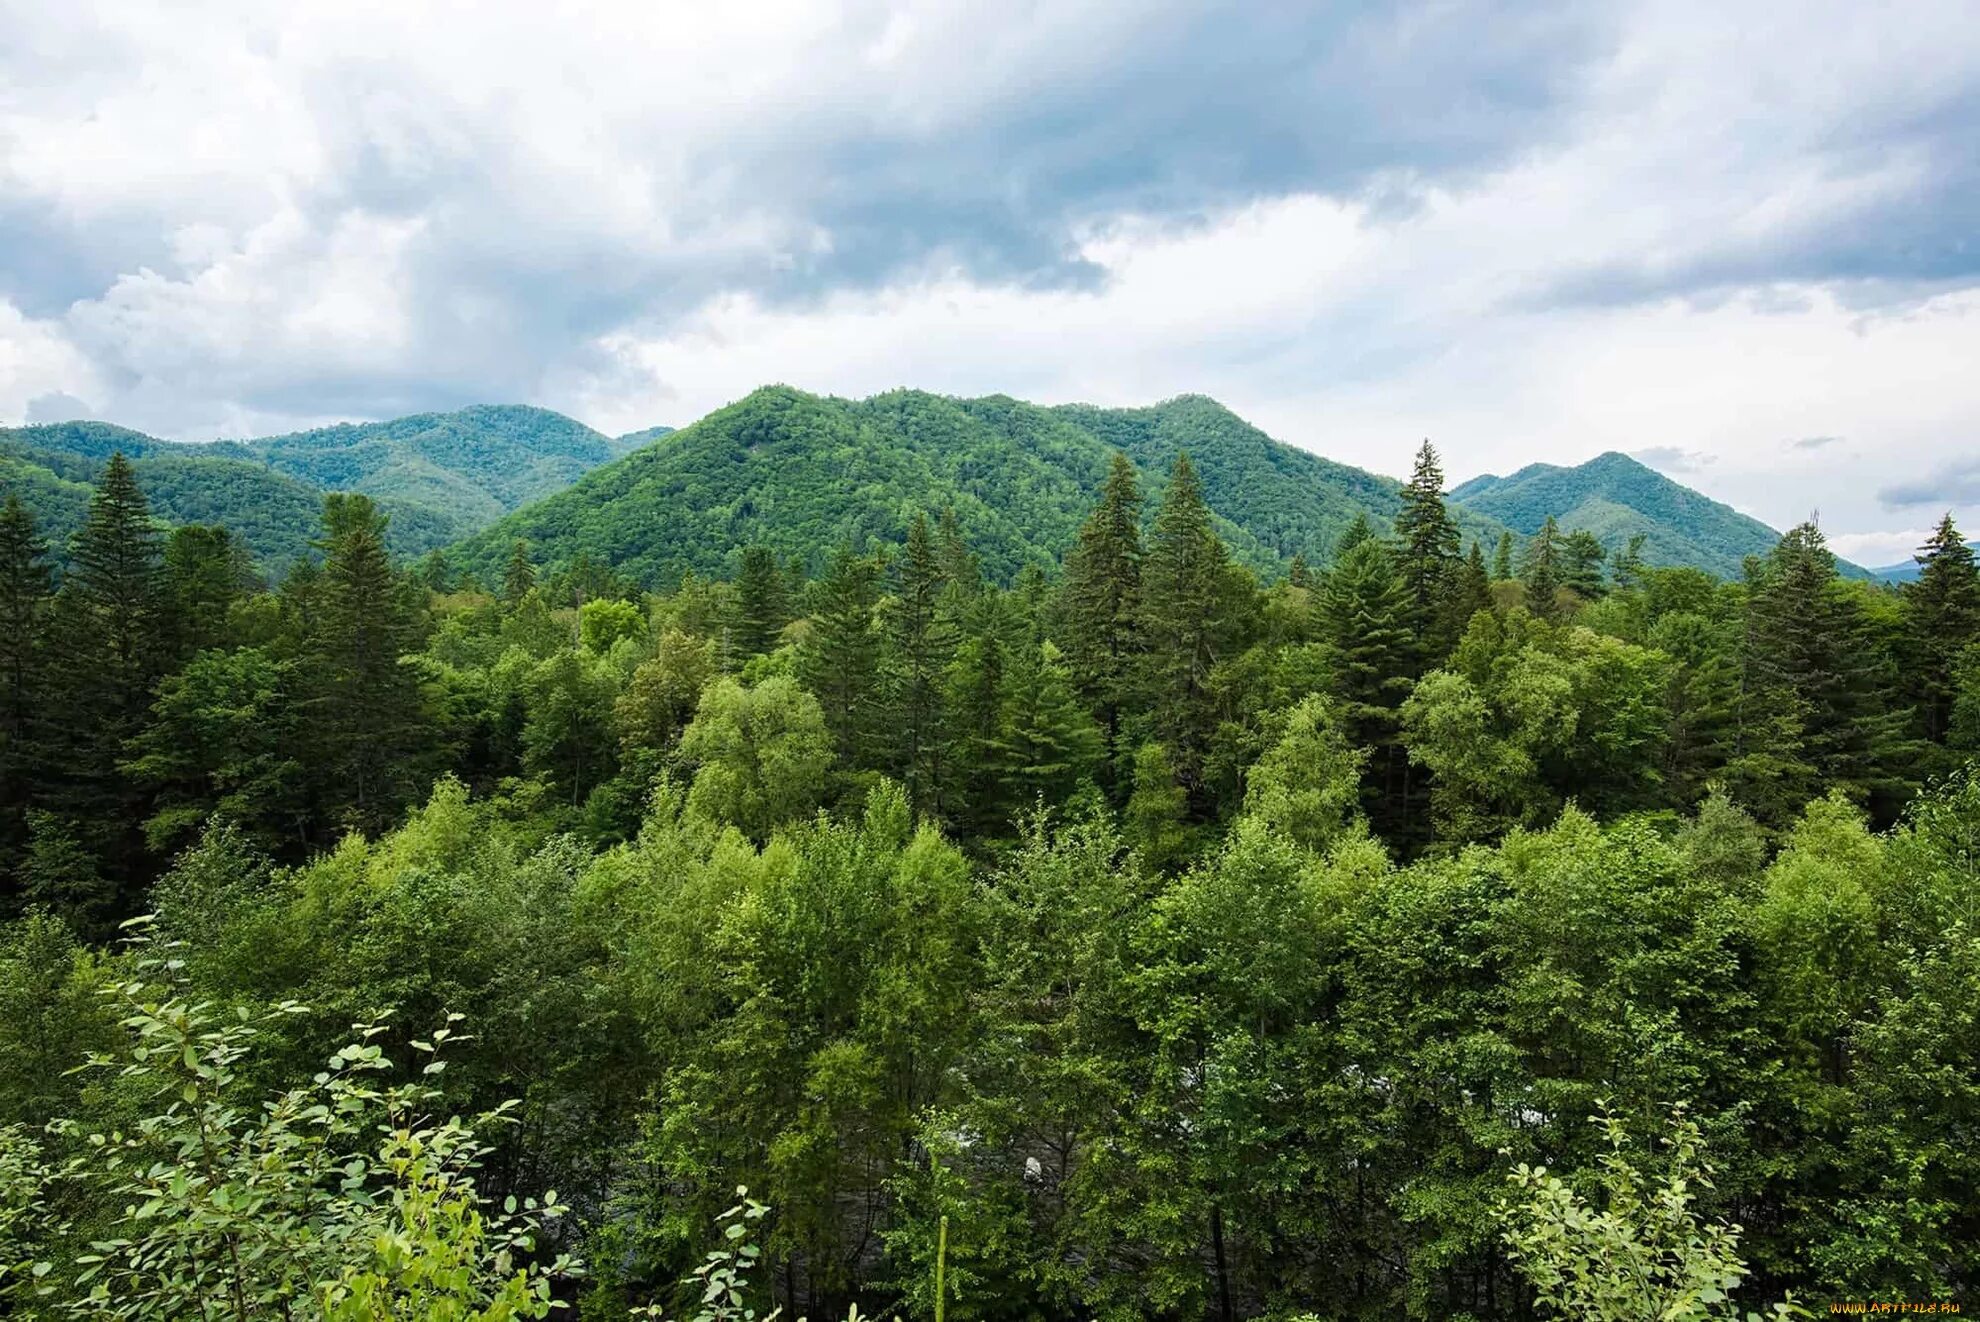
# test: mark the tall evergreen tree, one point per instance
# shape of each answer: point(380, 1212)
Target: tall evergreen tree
point(26, 585)
point(1544, 571)
point(839, 655)
point(1942, 618)
point(368, 711)
point(1364, 620)
point(921, 642)
point(205, 574)
point(1502, 558)
point(520, 576)
point(109, 653)
point(1427, 558)
point(959, 564)
point(762, 608)
point(1188, 622)
point(1101, 601)
point(1582, 555)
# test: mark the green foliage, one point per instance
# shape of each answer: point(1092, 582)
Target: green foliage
point(1644, 1253)
point(760, 754)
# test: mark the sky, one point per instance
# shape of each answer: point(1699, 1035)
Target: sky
point(1738, 241)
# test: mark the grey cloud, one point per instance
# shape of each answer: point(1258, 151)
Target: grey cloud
point(1955, 483)
point(1814, 442)
point(57, 407)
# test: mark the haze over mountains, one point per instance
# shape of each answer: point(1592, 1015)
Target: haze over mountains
point(803, 473)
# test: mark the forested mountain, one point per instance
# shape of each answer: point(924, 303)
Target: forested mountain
point(1616, 498)
point(801, 474)
point(440, 476)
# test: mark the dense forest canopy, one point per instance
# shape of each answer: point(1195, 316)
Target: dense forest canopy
point(1134, 936)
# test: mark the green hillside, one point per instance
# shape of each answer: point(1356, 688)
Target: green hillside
point(802, 473)
point(440, 476)
point(1617, 498)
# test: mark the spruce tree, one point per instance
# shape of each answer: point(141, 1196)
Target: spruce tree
point(1188, 622)
point(959, 565)
point(761, 606)
point(1502, 558)
point(841, 650)
point(1582, 555)
point(26, 585)
point(1427, 558)
point(1100, 602)
point(1471, 590)
point(1049, 741)
point(1359, 530)
point(1544, 571)
point(921, 643)
point(1942, 618)
point(203, 580)
point(520, 576)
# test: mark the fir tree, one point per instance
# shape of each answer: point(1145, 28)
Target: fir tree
point(839, 652)
point(1427, 558)
point(203, 579)
point(1942, 618)
point(1049, 741)
point(1627, 567)
point(520, 576)
point(1472, 588)
point(1101, 600)
point(1298, 574)
point(921, 643)
point(368, 709)
point(1363, 614)
point(109, 653)
point(959, 565)
point(762, 608)
point(1359, 530)
point(1582, 555)
point(1502, 558)
point(1544, 571)
point(1187, 622)
point(26, 584)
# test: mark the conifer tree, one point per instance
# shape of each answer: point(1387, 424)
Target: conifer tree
point(1581, 570)
point(204, 577)
point(1544, 571)
point(1101, 600)
point(1942, 618)
point(841, 650)
point(26, 584)
point(762, 608)
point(367, 706)
point(520, 576)
point(959, 564)
point(1472, 590)
point(1049, 741)
point(1427, 558)
point(108, 653)
point(1298, 573)
point(921, 644)
point(1627, 567)
point(1359, 530)
point(1187, 622)
point(1363, 615)
point(1502, 558)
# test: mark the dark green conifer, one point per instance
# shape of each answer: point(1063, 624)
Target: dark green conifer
point(1101, 601)
point(1942, 619)
point(840, 652)
point(520, 576)
point(1544, 571)
point(921, 641)
point(762, 607)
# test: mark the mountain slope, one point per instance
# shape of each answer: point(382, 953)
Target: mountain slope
point(802, 473)
point(440, 476)
point(1616, 498)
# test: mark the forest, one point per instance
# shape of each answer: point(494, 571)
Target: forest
point(1450, 927)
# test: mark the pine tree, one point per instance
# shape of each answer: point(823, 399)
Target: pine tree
point(921, 643)
point(762, 608)
point(840, 651)
point(1427, 559)
point(1942, 618)
point(1502, 558)
point(367, 706)
point(1544, 571)
point(1363, 614)
point(1101, 601)
point(520, 576)
point(1188, 622)
point(959, 565)
point(1582, 555)
point(1049, 741)
point(1627, 567)
point(1298, 573)
point(26, 585)
point(1359, 530)
point(1472, 589)
point(203, 579)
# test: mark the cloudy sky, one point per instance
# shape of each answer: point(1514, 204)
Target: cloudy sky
point(1741, 241)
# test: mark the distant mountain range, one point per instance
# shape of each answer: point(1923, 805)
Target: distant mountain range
point(1617, 498)
point(1906, 571)
point(804, 473)
point(441, 476)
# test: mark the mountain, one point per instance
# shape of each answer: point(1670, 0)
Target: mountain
point(440, 476)
point(1617, 498)
point(803, 473)
point(1906, 571)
